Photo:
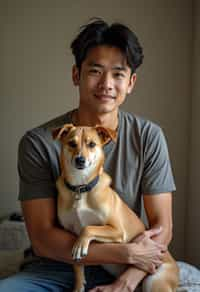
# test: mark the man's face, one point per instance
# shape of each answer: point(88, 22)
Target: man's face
point(104, 80)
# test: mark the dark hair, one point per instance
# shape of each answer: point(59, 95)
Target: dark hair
point(98, 32)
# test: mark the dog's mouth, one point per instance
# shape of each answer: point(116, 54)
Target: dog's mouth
point(80, 166)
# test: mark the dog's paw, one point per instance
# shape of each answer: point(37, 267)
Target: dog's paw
point(80, 249)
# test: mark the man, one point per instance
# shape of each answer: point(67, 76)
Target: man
point(106, 59)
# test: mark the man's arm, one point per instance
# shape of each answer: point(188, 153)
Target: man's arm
point(49, 240)
point(159, 213)
point(158, 208)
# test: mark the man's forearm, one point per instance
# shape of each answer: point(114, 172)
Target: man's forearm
point(165, 236)
point(57, 244)
point(132, 277)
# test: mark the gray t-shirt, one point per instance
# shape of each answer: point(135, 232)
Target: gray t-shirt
point(138, 161)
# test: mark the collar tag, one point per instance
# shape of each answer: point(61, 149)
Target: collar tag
point(78, 193)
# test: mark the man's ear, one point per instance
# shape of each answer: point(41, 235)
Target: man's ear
point(106, 134)
point(59, 133)
point(132, 81)
point(75, 75)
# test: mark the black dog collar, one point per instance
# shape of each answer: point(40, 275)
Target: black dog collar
point(82, 188)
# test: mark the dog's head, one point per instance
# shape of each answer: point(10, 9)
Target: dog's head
point(82, 147)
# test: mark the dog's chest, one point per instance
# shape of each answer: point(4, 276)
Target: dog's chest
point(79, 216)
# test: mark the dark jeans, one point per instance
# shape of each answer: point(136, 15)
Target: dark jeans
point(46, 275)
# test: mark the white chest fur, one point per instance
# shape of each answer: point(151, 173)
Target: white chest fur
point(79, 216)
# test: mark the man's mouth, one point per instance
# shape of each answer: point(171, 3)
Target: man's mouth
point(104, 97)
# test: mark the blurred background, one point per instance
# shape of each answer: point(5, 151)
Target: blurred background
point(36, 85)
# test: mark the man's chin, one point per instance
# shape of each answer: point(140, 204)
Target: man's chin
point(104, 109)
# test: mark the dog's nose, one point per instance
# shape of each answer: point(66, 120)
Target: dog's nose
point(80, 161)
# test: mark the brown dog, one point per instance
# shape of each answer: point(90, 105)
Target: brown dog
point(90, 208)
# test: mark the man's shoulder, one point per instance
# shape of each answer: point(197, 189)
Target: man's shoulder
point(57, 122)
point(46, 127)
point(138, 124)
point(42, 134)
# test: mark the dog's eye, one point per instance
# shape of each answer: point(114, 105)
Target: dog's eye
point(92, 144)
point(72, 144)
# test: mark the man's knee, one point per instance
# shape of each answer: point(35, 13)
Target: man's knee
point(15, 284)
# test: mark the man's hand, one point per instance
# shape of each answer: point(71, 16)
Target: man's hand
point(148, 254)
point(145, 254)
point(117, 286)
point(148, 234)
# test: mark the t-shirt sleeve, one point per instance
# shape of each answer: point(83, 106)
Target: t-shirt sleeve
point(35, 175)
point(157, 175)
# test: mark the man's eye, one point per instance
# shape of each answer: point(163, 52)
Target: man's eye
point(92, 144)
point(119, 75)
point(95, 71)
point(72, 144)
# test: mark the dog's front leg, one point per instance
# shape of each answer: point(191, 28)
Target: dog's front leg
point(80, 278)
point(104, 233)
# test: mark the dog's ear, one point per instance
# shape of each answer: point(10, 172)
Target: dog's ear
point(106, 134)
point(59, 133)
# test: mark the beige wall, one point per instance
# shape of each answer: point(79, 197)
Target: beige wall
point(35, 71)
point(193, 197)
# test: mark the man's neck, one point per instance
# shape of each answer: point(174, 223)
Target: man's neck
point(84, 118)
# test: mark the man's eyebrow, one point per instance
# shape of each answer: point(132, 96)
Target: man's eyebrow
point(119, 68)
point(93, 64)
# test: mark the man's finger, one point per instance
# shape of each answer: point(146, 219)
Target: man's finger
point(153, 232)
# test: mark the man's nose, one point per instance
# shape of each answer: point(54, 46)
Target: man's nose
point(106, 81)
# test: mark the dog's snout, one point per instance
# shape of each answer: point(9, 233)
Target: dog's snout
point(80, 161)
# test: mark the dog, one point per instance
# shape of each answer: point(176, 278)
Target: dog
point(91, 209)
